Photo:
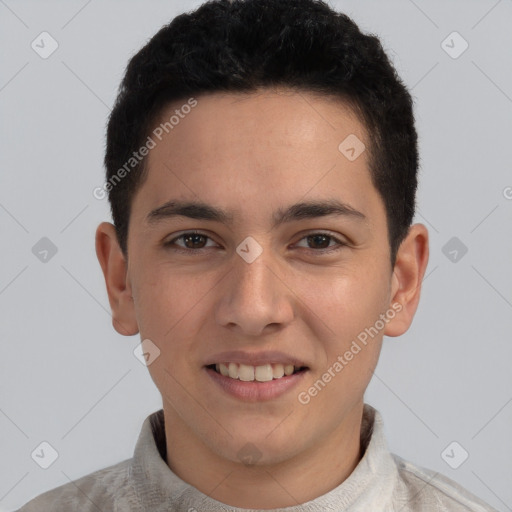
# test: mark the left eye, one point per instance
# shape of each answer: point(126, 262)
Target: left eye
point(321, 240)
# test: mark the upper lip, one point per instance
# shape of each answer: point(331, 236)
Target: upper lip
point(254, 358)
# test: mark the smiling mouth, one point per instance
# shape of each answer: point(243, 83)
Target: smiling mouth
point(261, 373)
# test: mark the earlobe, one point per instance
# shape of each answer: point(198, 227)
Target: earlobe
point(410, 265)
point(114, 267)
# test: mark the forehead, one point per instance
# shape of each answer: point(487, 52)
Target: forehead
point(275, 115)
point(272, 147)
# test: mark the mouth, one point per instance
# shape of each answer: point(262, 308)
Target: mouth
point(256, 376)
point(262, 373)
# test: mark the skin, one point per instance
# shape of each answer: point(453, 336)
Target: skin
point(253, 154)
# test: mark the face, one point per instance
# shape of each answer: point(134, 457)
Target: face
point(257, 247)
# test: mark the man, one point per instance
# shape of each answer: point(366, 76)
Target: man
point(261, 168)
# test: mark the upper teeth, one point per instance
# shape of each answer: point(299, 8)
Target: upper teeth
point(249, 373)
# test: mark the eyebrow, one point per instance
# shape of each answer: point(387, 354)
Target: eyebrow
point(298, 211)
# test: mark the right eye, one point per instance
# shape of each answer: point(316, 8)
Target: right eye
point(193, 241)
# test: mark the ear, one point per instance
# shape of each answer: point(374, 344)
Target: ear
point(114, 268)
point(410, 265)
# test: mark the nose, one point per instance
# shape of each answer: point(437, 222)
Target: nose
point(255, 299)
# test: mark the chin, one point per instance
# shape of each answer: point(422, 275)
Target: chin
point(256, 448)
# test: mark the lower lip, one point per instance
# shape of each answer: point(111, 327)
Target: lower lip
point(256, 391)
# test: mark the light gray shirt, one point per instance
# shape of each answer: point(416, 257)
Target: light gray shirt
point(381, 482)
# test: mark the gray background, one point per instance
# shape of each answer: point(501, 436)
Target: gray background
point(66, 377)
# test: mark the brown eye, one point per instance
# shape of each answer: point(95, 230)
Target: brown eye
point(319, 241)
point(190, 242)
point(194, 241)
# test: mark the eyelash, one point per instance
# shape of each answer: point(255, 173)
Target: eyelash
point(170, 244)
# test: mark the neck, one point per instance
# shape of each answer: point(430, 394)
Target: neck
point(284, 483)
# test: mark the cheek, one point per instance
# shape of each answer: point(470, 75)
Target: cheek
point(165, 299)
point(351, 308)
point(352, 348)
point(169, 316)
point(164, 308)
point(348, 300)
